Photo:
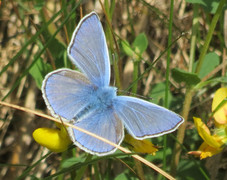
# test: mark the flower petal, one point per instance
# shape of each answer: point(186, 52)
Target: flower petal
point(221, 115)
point(53, 139)
point(208, 151)
point(141, 146)
point(205, 133)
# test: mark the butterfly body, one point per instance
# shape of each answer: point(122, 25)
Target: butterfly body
point(104, 96)
point(100, 100)
point(86, 99)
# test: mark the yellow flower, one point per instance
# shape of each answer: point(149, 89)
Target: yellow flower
point(205, 151)
point(215, 143)
point(56, 140)
point(141, 146)
point(204, 133)
point(221, 115)
point(211, 145)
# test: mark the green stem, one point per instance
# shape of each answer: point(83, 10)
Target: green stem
point(110, 35)
point(195, 27)
point(97, 173)
point(181, 132)
point(135, 76)
point(169, 53)
point(114, 59)
point(167, 76)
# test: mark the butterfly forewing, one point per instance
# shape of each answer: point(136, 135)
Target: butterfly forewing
point(66, 92)
point(88, 50)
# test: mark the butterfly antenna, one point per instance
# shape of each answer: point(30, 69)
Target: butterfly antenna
point(135, 95)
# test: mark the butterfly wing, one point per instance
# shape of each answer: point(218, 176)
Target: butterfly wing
point(144, 119)
point(104, 123)
point(88, 50)
point(66, 92)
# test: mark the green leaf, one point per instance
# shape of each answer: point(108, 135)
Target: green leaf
point(180, 75)
point(126, 48)
point(138, 47)
point(196, 2)
point(158, 94)
point(72, 161)
point(210, 62)
point(208, 5)
point(38, 71)
point(140, 43)
point(39, 4)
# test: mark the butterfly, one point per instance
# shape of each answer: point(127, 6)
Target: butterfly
point(88, 101)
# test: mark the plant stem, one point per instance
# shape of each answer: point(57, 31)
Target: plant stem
point(135, 75)
point(181, 132)
point(116, 61)
point(169, 53)
point(167, 75)
point(195, 26)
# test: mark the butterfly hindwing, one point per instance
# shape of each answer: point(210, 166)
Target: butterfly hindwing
point(102, 122)
point(144, 119)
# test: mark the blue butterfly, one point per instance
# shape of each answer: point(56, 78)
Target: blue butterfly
point(87, 100)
